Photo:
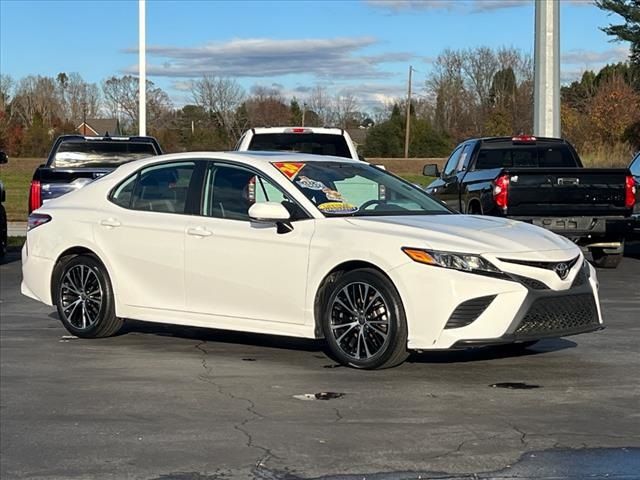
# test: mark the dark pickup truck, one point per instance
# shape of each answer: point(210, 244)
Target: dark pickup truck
point(76, 160)
point(540, 181)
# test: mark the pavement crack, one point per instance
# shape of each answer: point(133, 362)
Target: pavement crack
point(207, 376)
point(339, 416)
point(523, 434)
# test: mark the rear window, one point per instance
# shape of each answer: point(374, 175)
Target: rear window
point(100, 154)
point(525, 156)
point(314, 143)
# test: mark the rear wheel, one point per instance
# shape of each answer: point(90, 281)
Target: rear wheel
point(602, 259)
point(364, 321)
point(84, 298)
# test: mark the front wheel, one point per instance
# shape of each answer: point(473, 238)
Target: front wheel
point(84, 298)
point(364, 321)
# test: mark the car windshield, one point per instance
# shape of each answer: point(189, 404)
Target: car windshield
point(314, 143)
point(635, 166)
point(100, 154)
point(358, 189)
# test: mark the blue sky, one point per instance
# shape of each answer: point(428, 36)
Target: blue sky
point(364, 46)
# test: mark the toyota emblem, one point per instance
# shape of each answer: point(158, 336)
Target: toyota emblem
point(562, 269)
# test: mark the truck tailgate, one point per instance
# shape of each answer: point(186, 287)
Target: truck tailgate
point(566, 191)
point(55, 182)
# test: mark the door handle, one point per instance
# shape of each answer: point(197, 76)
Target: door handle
point(199, 232)
point(110, 222)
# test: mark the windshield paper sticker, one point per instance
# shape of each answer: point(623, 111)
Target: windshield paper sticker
point(306, 182)
point(333, 195)
point(289, 169)
point(337, 207)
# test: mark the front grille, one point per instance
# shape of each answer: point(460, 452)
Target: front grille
point(561, 268)
point(559, 314)
point(467, 312)
point(531, 283)
point(581, 277)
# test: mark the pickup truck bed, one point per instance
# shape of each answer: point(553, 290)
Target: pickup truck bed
point(75, 161)
point(541, 181)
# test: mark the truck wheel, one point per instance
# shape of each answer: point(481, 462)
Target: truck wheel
point(3, 231)
point(605, 260)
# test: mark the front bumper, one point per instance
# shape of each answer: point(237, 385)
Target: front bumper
point(506, 311)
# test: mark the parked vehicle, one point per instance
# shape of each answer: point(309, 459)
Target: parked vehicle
point(540, 181)
point(3, 213)
point(301, 245)
point(75, 161)
point(634, 167)
point(314, 140)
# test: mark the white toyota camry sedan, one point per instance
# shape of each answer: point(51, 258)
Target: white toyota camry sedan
point(301, 245)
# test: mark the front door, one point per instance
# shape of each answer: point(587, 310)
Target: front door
point(239, 268)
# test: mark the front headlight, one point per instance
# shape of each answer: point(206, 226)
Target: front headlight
point(457, 261)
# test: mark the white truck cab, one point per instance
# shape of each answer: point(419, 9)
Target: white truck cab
point(315, 140)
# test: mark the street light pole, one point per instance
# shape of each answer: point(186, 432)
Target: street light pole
point(142, 70)
point(408, 121)
point(546, 117)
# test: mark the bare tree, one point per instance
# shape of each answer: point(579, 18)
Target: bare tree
point(36, 95)
point(6, 89)
point(79, 98)
point(121, 97)
point(321, 104)
point(220, 97)
point(345, 108)
point(267, 107)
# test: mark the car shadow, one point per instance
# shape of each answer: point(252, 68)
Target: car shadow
point(491, 352)
point(632, 250)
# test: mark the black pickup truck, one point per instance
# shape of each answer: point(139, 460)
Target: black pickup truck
point(76, 160)
point(540, 181)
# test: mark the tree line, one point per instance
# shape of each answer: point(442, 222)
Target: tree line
point(469, 93)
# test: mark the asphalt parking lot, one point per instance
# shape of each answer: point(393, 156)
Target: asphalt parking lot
point(161, 402)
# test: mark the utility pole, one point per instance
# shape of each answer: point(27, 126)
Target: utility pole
point(304, 109)
point(142, 69)
point(546, 117)
point(408, 122)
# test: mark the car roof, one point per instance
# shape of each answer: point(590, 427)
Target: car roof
point(320, 130)
point(251, 158)
point(115, 138)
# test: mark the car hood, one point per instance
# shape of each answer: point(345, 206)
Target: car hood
point(467, 233)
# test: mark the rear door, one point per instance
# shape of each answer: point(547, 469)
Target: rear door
point(237, 268)
point(142, 233)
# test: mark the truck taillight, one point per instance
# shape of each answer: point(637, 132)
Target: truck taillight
point(630, 189)
point(501, 191)
point(35, 195)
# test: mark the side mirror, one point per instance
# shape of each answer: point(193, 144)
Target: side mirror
point(361, 158)
point(271, 212)
point(3, 157)
point(431, 170)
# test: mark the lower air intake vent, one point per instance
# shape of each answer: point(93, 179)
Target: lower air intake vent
point(467, 312)
point(559, 315)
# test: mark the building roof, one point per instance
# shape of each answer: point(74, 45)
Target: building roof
point(100, 126)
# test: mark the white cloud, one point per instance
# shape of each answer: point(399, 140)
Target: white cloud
point(589, 57)
point(263, 57)
point(473, 6)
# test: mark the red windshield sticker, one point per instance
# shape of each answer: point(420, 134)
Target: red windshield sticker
point(290, 169)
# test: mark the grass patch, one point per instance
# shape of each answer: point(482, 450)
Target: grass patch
point(417, 179)
point(16, 176)
point(16, 241)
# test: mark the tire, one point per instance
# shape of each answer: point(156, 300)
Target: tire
point(84, 298)
point(3, 232)
point(605, 260)
point(364, 322)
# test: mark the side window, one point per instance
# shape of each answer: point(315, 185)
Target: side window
point(230, 191)
point(122, 195)
point(463, 162)
point(163, 188)
point(452, 163)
